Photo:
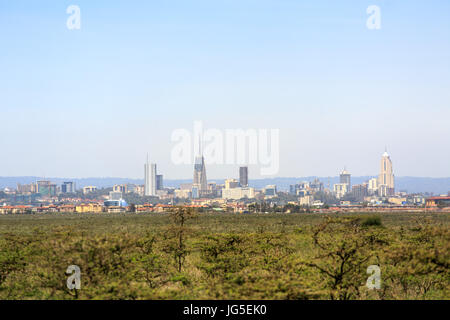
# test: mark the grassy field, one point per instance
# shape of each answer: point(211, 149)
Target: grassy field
point(185, 255)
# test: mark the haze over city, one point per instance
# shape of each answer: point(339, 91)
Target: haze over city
point(93, 102)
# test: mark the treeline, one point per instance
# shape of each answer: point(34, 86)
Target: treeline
point(175, 259)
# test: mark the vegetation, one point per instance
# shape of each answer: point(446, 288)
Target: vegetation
point(184, 254)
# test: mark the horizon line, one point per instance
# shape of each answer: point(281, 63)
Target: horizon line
point(210, 179)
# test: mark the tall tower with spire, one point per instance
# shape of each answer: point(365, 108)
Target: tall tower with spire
point(200, 181)
point(386, 180)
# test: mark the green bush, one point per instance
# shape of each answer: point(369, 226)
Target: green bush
point(372, 222)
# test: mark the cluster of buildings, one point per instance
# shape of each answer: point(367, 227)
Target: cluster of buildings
point(46, 188)
point(233, 195)
point(382, 186)
point(378, 190)
point(232, 188)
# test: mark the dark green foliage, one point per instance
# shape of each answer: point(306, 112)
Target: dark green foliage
point(371, 221)
point(186, 255)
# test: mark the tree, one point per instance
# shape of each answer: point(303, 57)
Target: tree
point(176, 234)
point(344, 248)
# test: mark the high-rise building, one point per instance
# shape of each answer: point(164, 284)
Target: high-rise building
point(243, 176)
point(293, 189)
point(340, 189)
point(150, 179)
point(195, 193)
point(159, 182)
point(386, 182)
point(46, 188)
point(68, 187)
point(372, 186)
point(26, 188)
point(345, 178)
point(200, 181)
point(360, 191)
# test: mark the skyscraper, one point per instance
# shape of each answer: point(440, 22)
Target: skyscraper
point(386, 184)
point(200, 181)
point(159, 182)
point(68, 187)
point(345, 178)
point(150, 179)
point(243, 176)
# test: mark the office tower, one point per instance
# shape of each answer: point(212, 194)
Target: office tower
point(243, 176)
point(150, 179)
point(46, 188)
point(195, 194)
point(340, 189)
point(43, 187)
point(345, 178)
point(159, 182)
point(68, 187)
point(200, 181)
point(386, 184)
point(360, 191)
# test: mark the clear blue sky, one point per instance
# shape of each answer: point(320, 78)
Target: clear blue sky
point(93, 102)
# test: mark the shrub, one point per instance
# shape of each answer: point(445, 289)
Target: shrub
point(372, 222)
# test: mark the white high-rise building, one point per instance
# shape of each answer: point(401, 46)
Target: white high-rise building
point(340, 189)
point(386, 182)
point(345, 178)
point(373, 186)
point(150, 179)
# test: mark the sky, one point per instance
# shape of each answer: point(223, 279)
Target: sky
point(93, 102)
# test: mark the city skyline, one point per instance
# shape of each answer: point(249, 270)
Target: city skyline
point(225, 155)
point(151, 176)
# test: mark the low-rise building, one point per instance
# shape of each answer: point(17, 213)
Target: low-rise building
point(270, 191)
point(238, 193)
point(306, 201)
point(397, 200)
point(435, 202)
point(89, 208)
point(183, 193)
point(89, 189)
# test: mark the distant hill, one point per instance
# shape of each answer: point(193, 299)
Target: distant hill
point(409, 184)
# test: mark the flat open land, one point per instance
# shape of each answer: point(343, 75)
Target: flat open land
point(188, 255)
